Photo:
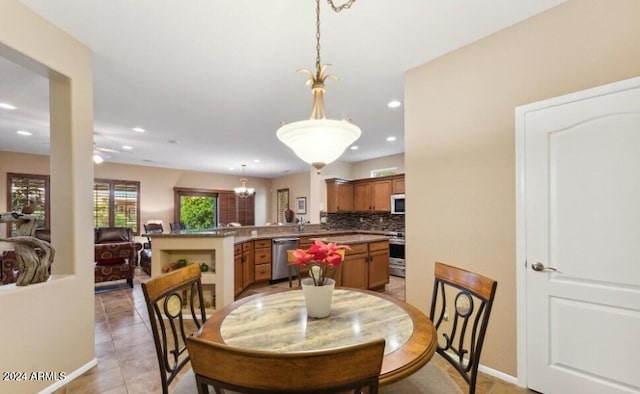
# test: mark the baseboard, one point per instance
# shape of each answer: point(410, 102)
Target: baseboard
point(493, 372)
point(70, 377)
point(497, 374)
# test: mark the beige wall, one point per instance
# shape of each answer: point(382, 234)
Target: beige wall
point(298, 185)
point(50, 326)
point(460, 155)
point(156, 184)
point(362, 169)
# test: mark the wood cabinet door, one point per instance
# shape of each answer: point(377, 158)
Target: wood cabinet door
point(354, 271)
point(345, 197)
point(237, 274)
point(247, 268)
point(378, 268)
point(381, 196)
point(397, 186)
point(362, 197)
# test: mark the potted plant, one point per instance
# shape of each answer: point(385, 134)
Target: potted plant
point(322, 260)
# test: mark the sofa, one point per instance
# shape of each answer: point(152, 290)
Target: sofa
point(9, 261)
point(116, 254)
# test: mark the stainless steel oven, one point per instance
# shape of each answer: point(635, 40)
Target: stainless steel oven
point(396, 254)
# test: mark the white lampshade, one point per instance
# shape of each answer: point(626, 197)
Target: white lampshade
point(319, 141)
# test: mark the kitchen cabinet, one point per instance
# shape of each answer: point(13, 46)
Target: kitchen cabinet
point(397, 185)
point(262, 260)
point(378, 264)
point(372, 196)
point(243, 269)
point(366, 266)
point(247, 268)
point(339, 195)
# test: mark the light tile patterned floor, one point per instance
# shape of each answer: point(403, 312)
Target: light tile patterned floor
point(126, 353)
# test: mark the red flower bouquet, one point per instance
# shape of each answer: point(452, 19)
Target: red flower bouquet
point(322, 260)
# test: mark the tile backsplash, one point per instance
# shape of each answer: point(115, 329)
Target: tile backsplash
point(364, 221)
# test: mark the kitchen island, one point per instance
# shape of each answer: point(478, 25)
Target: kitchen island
point(238, 261)
point(211, 248)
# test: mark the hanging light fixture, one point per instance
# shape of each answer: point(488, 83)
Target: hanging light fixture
point(243, 191)
point(319, 141)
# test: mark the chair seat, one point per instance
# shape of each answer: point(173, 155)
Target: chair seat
point(186, 384)
point(430, 379)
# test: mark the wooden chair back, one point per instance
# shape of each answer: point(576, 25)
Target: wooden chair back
point(169, 298)
point(344, 369)
point(472, 296)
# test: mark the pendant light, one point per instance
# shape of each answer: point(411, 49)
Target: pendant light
point(243, 191)
point(319, 141)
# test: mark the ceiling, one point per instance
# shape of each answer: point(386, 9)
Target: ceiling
point(211, 80)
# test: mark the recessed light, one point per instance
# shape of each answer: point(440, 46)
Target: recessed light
point(127, 147)
point(6, 106)
point(138, 129)
point(391, 139)
point(231, 168)
point(394, 104)
point(24, 132)
point(354, 147)
point(97, 159)
point(256, 160)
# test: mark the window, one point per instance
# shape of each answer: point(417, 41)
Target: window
point(115, 204)
point(22, 188)
point(206, 209)
point(282, 201)
point(196, 208)
point(384, 172)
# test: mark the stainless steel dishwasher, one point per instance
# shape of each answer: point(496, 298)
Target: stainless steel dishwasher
point(279, 264)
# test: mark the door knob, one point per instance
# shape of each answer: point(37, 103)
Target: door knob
point(538, 266)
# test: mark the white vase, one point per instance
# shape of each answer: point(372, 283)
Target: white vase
point(318, 298)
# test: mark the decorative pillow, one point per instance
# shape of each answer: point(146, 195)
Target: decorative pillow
point(112, 261)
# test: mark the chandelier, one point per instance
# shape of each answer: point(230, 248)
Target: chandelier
point(243, 191)
point(319, 141)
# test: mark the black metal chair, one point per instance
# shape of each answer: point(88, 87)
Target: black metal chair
point(473, 296)
point(168, 297)
point(177, 226)
point(337, 370)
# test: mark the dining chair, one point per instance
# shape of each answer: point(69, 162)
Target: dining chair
point(294, 269)
point(176, 309)
point(342, 369)
point(472, 297)
point(177, 226)
point(300, 271)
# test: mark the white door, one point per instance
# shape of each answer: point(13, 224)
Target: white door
point(579, 170)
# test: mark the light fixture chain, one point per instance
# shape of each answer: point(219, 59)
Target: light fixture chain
point(345, 6)
point(318, 37)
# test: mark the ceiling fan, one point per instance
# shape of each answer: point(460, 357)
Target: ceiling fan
point(100, 153)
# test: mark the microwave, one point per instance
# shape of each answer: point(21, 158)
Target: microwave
point(397, 204)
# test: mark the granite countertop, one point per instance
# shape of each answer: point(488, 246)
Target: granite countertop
point(343, 237)
point(200, 234)
point(346, 239)
point(339, 236)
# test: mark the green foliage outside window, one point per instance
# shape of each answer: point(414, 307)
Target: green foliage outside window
point(198, 212)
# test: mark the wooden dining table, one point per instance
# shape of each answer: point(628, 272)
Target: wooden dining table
point(277, 321)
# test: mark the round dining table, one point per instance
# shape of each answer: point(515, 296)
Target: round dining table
point(277, 321)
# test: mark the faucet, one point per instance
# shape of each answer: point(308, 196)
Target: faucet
point(301, 223)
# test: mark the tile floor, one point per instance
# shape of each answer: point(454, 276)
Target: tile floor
point(126, 353)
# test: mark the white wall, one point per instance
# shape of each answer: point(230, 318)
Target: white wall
point(50, 326)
